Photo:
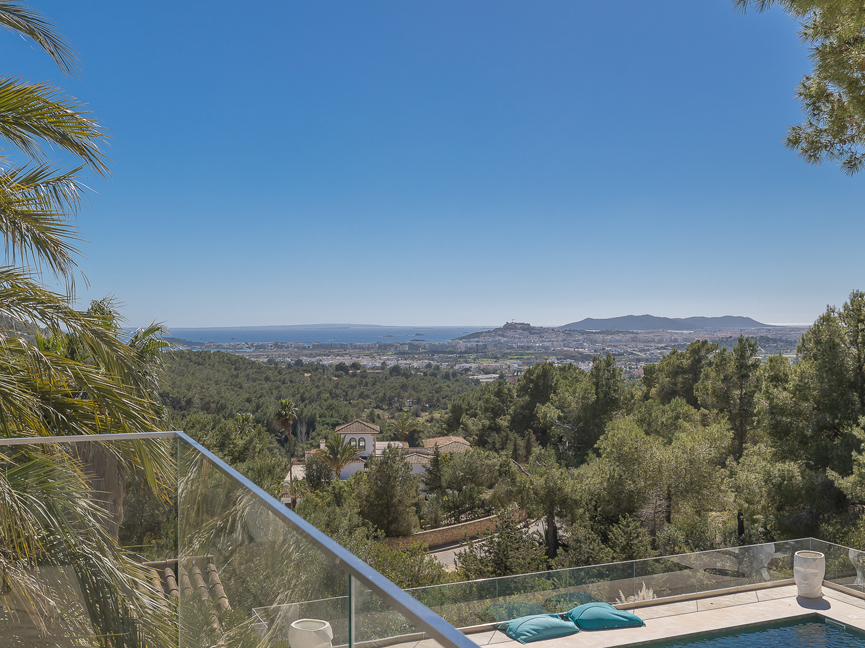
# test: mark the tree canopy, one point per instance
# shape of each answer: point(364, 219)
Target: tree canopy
point(833, 94)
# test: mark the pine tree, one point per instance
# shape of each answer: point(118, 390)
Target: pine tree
point(504, 551)
point(388, 494)
point(432, 478)
point(832, 95)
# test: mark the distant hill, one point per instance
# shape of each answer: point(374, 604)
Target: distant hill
point(652, 323)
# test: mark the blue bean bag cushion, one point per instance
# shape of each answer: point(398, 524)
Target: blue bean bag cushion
point(537, 627)
point(602, 616)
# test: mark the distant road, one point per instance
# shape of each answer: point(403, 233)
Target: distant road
point(446, 554)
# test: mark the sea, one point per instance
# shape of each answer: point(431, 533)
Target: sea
point(324, 333)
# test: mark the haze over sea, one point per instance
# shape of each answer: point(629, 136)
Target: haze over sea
point(356, 333)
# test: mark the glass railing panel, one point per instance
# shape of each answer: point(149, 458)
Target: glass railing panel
point(244, 573)
point(663, 577)
point(610, 583)
point(577, 585)
point(844, 566)
point(733, 567)
point(275, 621)
point(473, 603)
point(376, 622)
point(462, 604)
point(524, 594)
point(88, 525)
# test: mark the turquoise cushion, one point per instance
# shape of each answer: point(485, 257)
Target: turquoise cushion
point(538, 627)
point(602, 616)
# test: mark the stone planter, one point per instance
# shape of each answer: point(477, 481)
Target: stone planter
point(809, 567)
point(858, 560)
point(310, 633)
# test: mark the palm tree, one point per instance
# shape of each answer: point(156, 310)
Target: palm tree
point(68, 372)
point(404, 424)
point(338, 453)
point(293, 491)
point(107, 472)
point(286, 416)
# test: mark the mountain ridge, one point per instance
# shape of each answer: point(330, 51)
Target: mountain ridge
point(654, 323)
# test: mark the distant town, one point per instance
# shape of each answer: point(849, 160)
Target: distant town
point(505, 352)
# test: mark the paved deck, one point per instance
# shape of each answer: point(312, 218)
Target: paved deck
point(672, 621)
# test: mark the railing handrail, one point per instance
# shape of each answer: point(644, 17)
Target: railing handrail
point(416, 612)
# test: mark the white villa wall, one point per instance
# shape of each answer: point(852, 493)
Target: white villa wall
point(369, 438)
point(350, 469)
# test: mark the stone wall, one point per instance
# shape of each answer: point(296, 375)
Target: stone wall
point(451, 534)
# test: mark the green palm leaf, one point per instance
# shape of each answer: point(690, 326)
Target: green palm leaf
point(33, 206)
point(32, 113)
point(338, 453)
point(20, 18)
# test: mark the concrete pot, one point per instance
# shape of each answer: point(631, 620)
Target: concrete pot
point(809, 567)
point(858, 560)
point(310, 633)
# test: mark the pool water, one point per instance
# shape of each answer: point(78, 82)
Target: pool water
point(806, 634)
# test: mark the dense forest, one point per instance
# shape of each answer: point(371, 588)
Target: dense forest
point(713, 447)
point(232, 404)
point(222, 385)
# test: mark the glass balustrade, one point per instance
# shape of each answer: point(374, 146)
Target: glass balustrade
point(203, 559)
point(153, 538)
point(636, 582)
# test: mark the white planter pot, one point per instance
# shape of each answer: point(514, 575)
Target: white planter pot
point(809, 567)
point(310, 633)
point(858, 560)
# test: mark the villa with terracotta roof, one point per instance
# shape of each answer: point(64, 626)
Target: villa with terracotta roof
point(361, 435)
point(447, 444)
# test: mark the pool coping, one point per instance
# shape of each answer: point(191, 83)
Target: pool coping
point(691, 617)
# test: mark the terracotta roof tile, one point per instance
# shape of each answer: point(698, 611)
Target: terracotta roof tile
point(195, 573)
point(358, 427)
point(444, 441)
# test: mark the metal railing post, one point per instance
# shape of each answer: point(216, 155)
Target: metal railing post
point(350, 612)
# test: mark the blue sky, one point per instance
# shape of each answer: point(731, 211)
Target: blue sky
point(439, 163)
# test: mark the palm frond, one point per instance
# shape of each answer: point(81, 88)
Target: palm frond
point(149, 343)
point(47, 186)
point(23, 299)
point(33, 113)
point(56, 521)
point(17, 16)
point(34, 202)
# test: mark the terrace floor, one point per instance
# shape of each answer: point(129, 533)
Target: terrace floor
point(681, 619)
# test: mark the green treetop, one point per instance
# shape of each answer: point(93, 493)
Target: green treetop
point(833, 95)
point(388, 494)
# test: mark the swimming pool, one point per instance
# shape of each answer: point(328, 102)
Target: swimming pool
point(805, 634)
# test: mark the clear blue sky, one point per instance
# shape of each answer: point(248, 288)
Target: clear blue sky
point(451, 162)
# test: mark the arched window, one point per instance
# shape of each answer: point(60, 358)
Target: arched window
point(361, 444)
point(352, 442)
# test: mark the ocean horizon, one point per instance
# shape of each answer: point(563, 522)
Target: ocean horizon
point(324, 333)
